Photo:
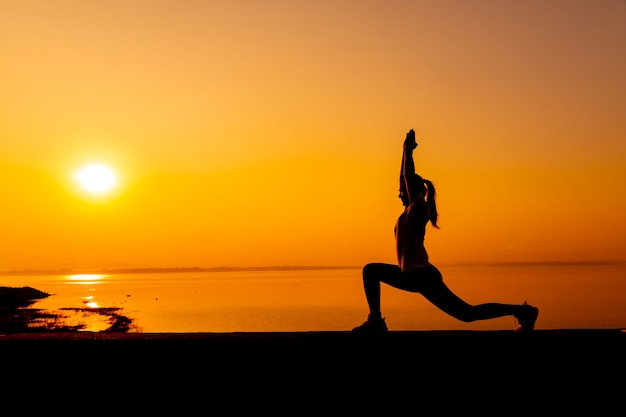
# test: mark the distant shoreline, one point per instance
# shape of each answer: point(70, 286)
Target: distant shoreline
point(140, 270)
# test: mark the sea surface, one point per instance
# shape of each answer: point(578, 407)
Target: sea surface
point(569, 296)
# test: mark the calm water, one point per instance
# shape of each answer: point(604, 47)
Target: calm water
point(591, 296)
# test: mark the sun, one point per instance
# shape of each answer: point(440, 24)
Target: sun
point(96, 178)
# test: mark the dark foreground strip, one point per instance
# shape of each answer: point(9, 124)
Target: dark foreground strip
point(547, 371)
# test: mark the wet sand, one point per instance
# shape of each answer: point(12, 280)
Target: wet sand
point(491, 372)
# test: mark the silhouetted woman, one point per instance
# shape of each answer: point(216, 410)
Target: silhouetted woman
point(414, 272)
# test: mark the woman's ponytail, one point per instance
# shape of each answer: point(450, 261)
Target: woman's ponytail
point(430, 201)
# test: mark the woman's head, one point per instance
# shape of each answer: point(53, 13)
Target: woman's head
point(420, 185)
point(417, 189)
point(421, 188)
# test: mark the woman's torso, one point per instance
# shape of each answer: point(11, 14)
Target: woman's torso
point(410, 231)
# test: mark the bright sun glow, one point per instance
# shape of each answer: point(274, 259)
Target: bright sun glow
point(96, 178)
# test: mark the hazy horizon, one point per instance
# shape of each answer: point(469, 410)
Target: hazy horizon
point(185, 269)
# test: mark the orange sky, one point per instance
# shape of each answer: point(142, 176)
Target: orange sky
point(254, 133)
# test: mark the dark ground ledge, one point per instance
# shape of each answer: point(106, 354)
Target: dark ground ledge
point(579, 371)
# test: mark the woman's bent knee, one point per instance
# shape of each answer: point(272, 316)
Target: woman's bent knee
point(378, 269)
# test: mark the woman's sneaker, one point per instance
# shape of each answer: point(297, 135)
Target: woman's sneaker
point(526, 318)
point(372, 325)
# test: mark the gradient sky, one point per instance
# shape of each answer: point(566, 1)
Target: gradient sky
point(255, 133)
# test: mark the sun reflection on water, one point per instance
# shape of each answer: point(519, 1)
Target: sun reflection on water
point(90, 302)
point(86, 279)
point(92, 315)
